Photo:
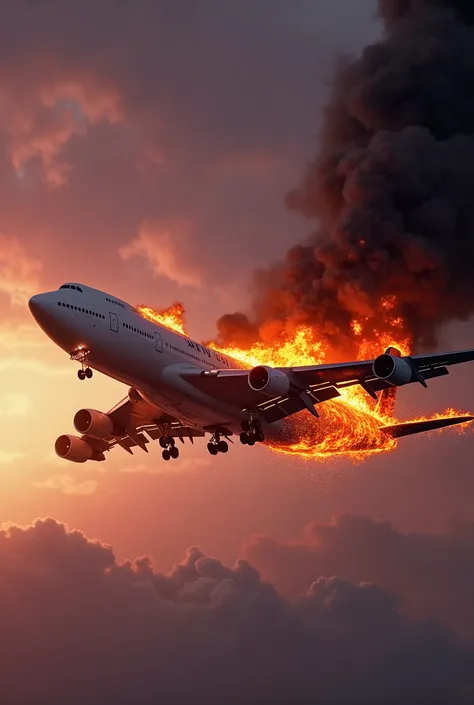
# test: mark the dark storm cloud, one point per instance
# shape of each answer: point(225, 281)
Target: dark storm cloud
point(432, 574)
point(390, 185)
point(79, 627)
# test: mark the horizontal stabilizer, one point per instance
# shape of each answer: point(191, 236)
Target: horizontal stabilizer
point(398, 430)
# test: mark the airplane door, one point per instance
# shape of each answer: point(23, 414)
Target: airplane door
point(158, 342)
point(113, 322)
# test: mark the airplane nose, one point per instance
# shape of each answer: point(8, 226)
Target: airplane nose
point(34, 305)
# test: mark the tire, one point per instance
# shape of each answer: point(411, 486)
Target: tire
point(244, 439)
point(245, 426)
point(166, 455)
point(89, 373)
point(260, 436)
point(174, 452)
point(163, 442)
point(223, 447)
point(81, 374)
point(251, 441)
point(212, 449)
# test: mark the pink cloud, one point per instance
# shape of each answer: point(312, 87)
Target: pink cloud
point(55, 110)
point(78, 626)
point(165, 250)
point(19, 272)
point(432, 574)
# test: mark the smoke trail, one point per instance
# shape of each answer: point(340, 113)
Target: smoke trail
point(391, 189)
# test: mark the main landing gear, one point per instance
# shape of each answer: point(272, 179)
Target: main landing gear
point(216, 445)
point(169, 448)
point(82, 355)
point(251, 432)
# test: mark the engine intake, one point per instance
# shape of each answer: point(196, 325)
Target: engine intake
point(76, 450)
point(272, 382)
point(134, 396)
point(94, 423)
point(394, 370)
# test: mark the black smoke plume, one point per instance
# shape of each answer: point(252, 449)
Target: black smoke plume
point(391, 189)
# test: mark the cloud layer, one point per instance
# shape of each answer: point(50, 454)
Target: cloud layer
point(79, 627)
point(432, 574)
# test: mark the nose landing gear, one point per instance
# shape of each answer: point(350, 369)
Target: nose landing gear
point(82, 355)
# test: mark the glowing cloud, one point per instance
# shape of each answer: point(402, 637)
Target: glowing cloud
point(165, 250)
point(19, 272)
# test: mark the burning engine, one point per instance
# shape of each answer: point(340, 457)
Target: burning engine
point(76, 450)
point(394, 370)
point(269, 381)
point(94, 423)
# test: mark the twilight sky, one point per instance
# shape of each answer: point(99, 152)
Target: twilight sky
point(146, 149)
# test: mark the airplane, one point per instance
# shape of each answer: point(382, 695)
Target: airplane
point(179, 388)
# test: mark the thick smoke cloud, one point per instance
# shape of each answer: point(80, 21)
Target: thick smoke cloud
point(432, 574)
point(390, 188)
point(79, 627)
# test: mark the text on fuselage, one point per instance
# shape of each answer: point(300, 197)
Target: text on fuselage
point(206, 351)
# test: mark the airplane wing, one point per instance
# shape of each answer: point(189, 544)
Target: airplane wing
point(314, 384)
point(139, 423)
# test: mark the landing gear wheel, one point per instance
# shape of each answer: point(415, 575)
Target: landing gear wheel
point(251, 441)
point(260, 436)
point(81, 374)
point(163, 442)
point(88, 373)
point(174, 452)
point(166, 455)
point(212, 448)
point(222, 446)
point(245, 426)
point(244, 438)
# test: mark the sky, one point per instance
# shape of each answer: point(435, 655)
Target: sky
point(146, 149)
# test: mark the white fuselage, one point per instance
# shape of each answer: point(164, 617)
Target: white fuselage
point(131, 349)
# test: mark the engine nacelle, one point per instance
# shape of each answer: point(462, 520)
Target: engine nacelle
point(134, 396)
point(394, 370)
point(94, 423)
point(74, 449)
point(272, 382)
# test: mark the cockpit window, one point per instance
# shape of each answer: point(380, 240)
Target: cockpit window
point(71, 286)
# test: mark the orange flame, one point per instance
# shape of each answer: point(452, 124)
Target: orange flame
point(349, 425)
point(172, 317)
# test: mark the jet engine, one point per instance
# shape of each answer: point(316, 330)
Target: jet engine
point(76, 450)
point(272, 382)
point(94, 423)
point(134, 396)
point(394, 370)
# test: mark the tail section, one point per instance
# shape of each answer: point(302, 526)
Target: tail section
point(409, 428)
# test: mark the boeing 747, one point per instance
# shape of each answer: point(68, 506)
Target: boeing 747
point(179, 388)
